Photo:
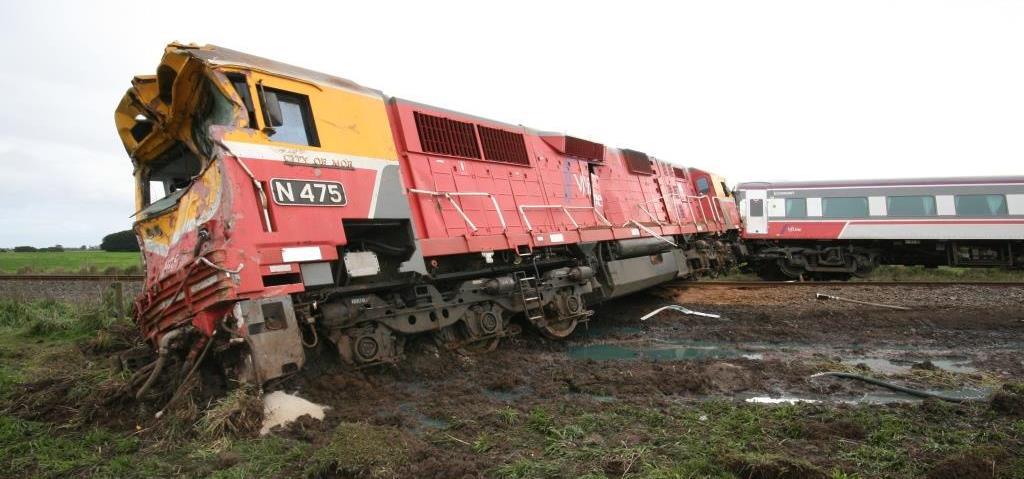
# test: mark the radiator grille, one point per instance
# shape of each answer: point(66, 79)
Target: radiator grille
point(503, 146)
point(587, 150)
point(446, 137)
point(638, 162)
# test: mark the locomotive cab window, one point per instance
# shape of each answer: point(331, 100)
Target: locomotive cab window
point(168, 177)
point(703, 186)
point(242, 89)
point(851, 207)
point(288, 117)
point(910, 205)
point(980, 205)
point(796, 207)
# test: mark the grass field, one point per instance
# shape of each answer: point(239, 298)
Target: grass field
point(70, 262)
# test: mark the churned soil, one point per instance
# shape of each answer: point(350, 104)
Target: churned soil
point(776, 339)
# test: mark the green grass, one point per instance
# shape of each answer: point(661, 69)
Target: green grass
point(70, 262)
point(911, 273)
point(943, 273)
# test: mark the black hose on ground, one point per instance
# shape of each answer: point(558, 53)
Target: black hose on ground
point(896, 387)
point(184, 382)
point(158, 365)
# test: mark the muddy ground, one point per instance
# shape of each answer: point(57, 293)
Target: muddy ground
point(960, 341)
point(677, 396)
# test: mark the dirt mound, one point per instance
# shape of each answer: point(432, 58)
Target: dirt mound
point(1009, 400)
point(978, 464)
point(845, 429)
point(769, 466)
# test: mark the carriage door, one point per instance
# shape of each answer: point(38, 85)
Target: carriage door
point(757, 211)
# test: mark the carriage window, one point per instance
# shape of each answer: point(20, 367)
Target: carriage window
point(796, 207)
point(703, 186)
point(297, 125)
point(855, 207)
point(910, 205)
point(980, 205)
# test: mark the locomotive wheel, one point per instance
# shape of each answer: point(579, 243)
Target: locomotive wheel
point(789, 271)
point(479, 331)
point(459, 338)
point(558, 330)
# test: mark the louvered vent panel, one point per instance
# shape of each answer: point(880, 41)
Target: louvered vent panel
point(638, 162)
point(679, 173)
point(445, 136)
point(587, 150)
point(503, 146)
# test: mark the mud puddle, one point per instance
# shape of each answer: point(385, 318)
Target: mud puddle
point(869, 398)
point(659, 351)
point(903, 366)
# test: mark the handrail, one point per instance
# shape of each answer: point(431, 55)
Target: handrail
point(449, 195)
point(703, 217)
point(652, 233)
point(565, 209)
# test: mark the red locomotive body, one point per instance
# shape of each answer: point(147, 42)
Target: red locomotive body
point(302, 206)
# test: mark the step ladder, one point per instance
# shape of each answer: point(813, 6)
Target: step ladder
point(529, 295)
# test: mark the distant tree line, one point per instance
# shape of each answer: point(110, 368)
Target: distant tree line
point(30, 249)
point(119, 241)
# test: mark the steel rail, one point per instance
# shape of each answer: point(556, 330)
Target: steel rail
point(840, 284)
point(72, 277)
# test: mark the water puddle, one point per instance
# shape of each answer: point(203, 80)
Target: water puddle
point(904, 366)
point(281, 408)
point(509, 395)
point(423, 422)
point(871, 398)
point(661, 351)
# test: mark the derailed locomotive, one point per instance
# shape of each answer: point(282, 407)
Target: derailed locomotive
point(280, 208)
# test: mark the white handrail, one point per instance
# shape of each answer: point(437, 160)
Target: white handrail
point(565, 209)
point(703, 217)
point(450, 197)
point(652, 233)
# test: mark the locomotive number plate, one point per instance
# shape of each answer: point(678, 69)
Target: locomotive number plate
point(307, 193)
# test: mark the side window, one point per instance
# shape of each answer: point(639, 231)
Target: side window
point(796, 207)
point(242, 89)
point(980, 205)
point(910, 205)
point(703, 186)
point(756, 207)
point(290, 116)
point(854, 207)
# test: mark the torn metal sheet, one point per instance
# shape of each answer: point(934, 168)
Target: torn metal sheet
point(823, 296)
point(681, 309)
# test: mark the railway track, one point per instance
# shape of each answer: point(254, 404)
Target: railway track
point(841, 284)
point(72, 277)
point(685, 284)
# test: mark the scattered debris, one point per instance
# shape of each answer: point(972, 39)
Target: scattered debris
point(676, 307)
point(898, 388)
point(779, 400)
point(823, 296)
point(281, 408)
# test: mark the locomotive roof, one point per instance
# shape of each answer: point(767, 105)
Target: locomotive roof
point(960, 180)
point(216, 55)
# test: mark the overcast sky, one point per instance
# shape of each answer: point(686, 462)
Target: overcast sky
point(754, 90)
